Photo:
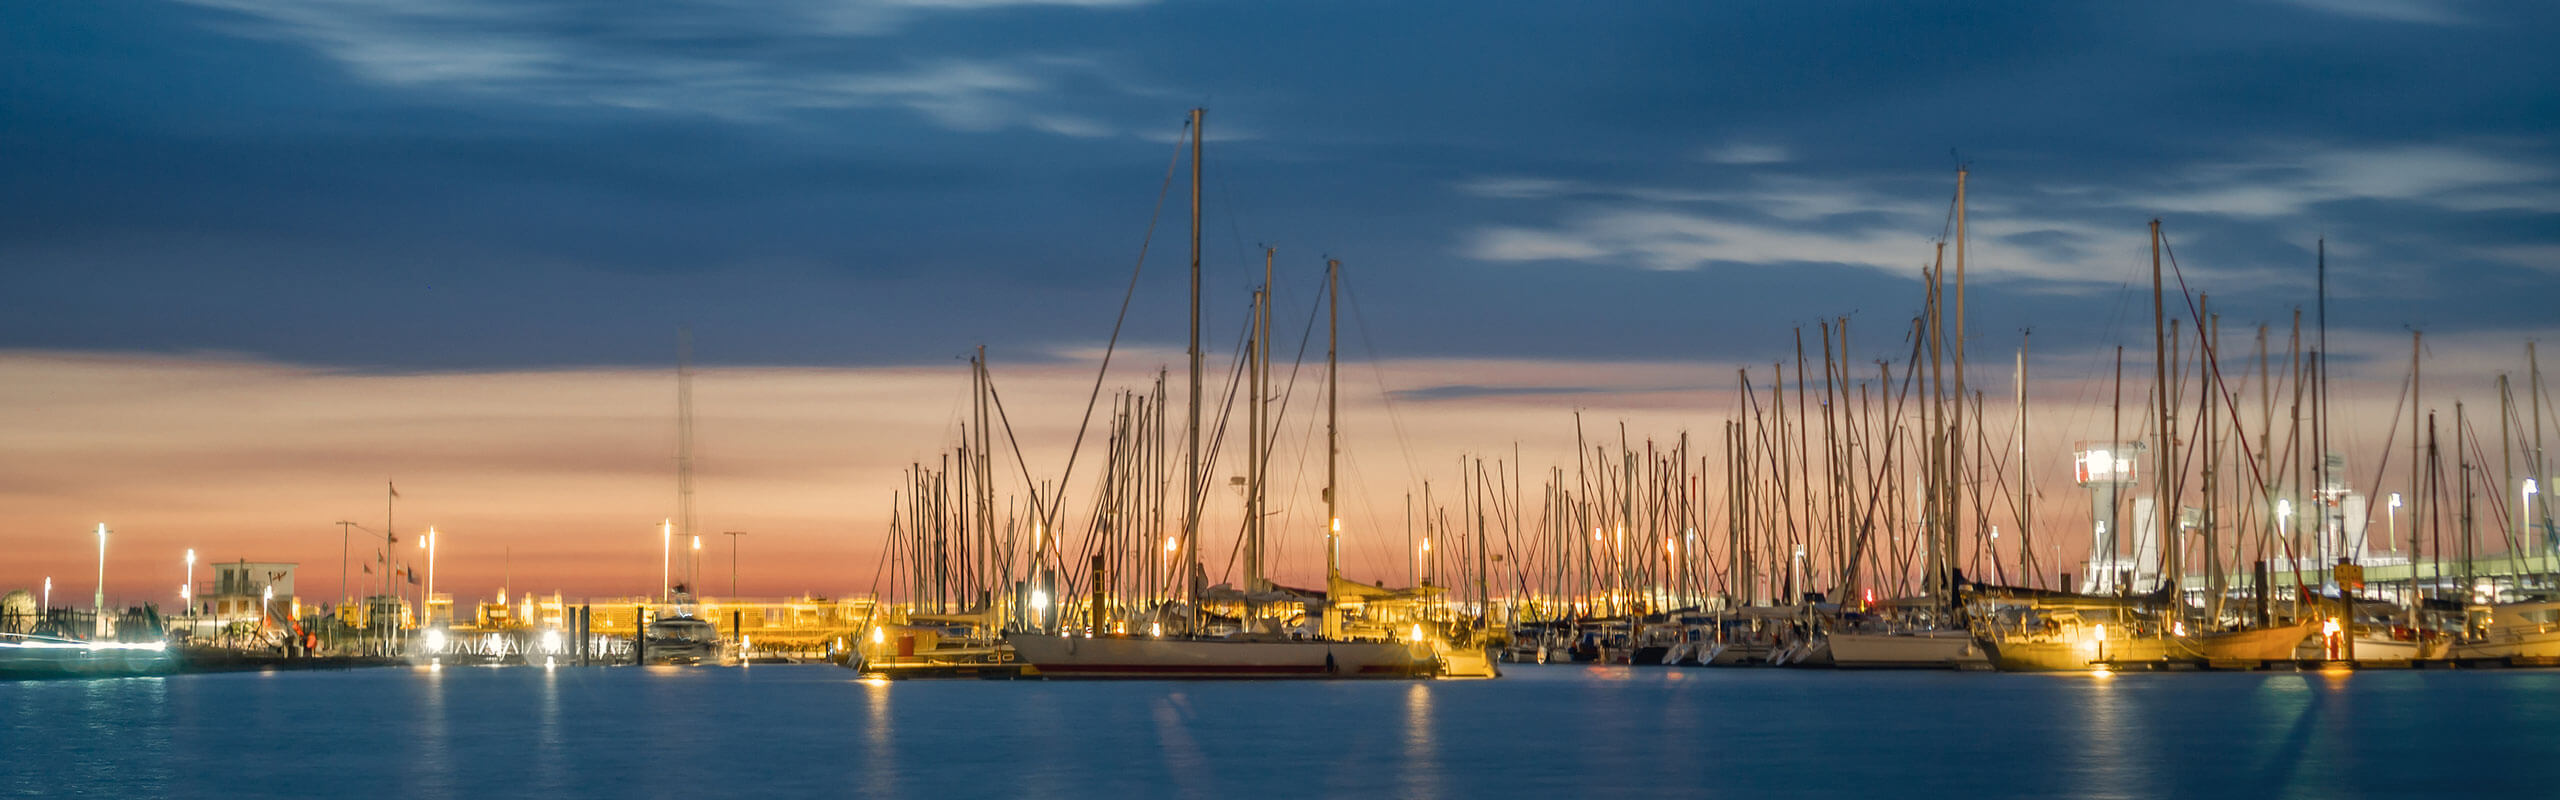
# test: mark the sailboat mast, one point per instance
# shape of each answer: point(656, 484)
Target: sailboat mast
point(1191, 486)
point(1332, 444)
point(684, 447)
point(2162, 504)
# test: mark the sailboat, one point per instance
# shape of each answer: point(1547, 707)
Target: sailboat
point(1100, 652)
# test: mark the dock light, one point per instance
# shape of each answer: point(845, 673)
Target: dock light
point(697, 542)
point(2178, 628)
point(746, 642)
point(2101, 631)
point(2284, 508)
point(1426, 544)
point(1417, 632)
point(264, 598)
point(1595, 534)
point(2395, 496)
point(1155, 629)
point(187, 591)
point(48, 593)
point(435, 640)
point(551, 642)
point(877, 637)
point(1337, 521)
point(2329, 627)
point(1171, 544)
point(1040, 601)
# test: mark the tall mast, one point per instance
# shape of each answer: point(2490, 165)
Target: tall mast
point(1191, 491)
point(1955, 423)
point(684, 447)
point(1257, 361)
point(2162, 507)
point(1332, 444)
point(2027, 567)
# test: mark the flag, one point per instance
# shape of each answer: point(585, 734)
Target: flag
point(368, 569)
point(395, 489)
point(413, 576)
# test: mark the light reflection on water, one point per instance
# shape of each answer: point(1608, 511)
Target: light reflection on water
point(1553, 731)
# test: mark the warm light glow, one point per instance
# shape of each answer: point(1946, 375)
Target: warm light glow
point(2178, 628)
point(2329, 627)
point(1040, 601)
point(2284, 508)
point(1337, 521)
point(551, 642)
point(1417, 632)
point(697, 541)
point(435, 641)
point(2395, 500)
point(1155, 629)
point(877, 637)
point(1171, 544)
point(1426, 544)
point(2100, 631)
point(2529, 488)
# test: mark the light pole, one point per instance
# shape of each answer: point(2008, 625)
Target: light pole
point(733, 560)
point(2530, 489)
point(265, 597)
point(666, 559)
point(100, 621)
point(427, 598)
point(187, 591)
point(48, 594)
point(693, 568)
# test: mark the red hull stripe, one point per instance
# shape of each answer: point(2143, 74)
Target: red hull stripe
point(1219, 669)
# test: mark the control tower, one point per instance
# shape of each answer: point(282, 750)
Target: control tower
point(2106, 469)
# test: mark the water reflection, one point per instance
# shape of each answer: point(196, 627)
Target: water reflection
point(1421, 773)
point(550, 774)
point(2104, 763)
point(434, 770)
point(1183, 763)
point(879, 751)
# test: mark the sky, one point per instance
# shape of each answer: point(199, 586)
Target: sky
point(260, 257)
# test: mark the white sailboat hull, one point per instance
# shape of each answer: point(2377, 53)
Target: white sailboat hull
point(1134, 657)
point(1931, 650)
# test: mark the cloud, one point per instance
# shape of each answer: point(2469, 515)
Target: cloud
point(1748, 153)
point(709, 57)
point(2431, 12)
point(2290, 180)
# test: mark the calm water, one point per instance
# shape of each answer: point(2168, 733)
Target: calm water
point(1553, 731)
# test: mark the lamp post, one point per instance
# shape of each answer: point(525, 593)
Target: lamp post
point(187, 591)
point(100, 620)
point(265, 597)
point(666, 559)
point(2530, 489)
point(733, 560)
point(427, 599)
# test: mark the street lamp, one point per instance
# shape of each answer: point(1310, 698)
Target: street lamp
point(187, 591)
point(264, 598)
point(666, 559)
point(733, 560)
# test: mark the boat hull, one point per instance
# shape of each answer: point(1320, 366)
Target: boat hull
point(1932, 650)
point(1144, 658)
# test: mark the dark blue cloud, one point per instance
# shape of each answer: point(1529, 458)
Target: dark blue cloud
point(465, 183)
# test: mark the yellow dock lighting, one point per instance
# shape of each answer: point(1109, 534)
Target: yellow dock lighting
point(878, 637)
point(435, 640)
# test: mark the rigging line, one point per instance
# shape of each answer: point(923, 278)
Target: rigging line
point(1395, 418)
point(1049, 515)
point(2213, 361)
